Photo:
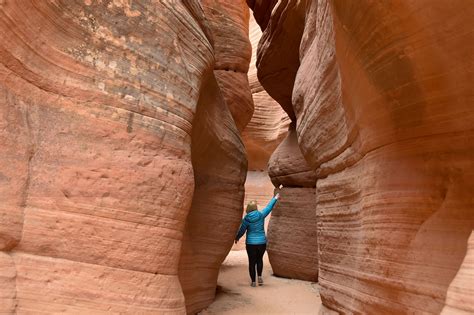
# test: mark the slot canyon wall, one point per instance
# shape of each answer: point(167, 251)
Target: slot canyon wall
point(267, 128)
point(219, 162)
point(292, 240)
point(109, 111)
point(381, 93)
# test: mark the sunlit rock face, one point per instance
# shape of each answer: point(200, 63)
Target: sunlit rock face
point(102, 106)
point(382, 97)
point(218, 155)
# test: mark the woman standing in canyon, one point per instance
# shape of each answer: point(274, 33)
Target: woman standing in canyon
point(256, 241)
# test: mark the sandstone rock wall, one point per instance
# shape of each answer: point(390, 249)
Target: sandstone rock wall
point(229, 26)
point(267, 128)
point(383, 102)
point(269, 123)
point(292, 238)
point(218, 154)
point(98, 104)
point(219, 172)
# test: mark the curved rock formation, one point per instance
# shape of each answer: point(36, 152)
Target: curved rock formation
point(219, 172)
point(98, 104)
point(383, 100)
point(267, 128)
point(218, 155)
point(287, 165)
point(269, 123)
point(292, 239)
point(229, 26)
point(277, 65)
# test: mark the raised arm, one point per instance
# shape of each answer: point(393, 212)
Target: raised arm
point(242, 229)
point(266, 211)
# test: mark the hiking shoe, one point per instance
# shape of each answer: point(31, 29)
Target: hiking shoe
point(253, 284)
point(260, 281)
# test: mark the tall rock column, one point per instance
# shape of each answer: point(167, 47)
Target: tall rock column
point(383, 99)
point(292, 238)
point(218, 155)
point(97, 106)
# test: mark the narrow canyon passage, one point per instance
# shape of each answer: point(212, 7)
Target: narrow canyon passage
point(133, 134)
point(277, 295)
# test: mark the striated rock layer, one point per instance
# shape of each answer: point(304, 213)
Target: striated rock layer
point(287, 165)
point(292, 239)
point(229, 26)
point(269, 123)
point(219, 172)
point(383, 102)
point(218, 155)
point(99, 136)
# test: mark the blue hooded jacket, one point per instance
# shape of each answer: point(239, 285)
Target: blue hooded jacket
point(253, 223)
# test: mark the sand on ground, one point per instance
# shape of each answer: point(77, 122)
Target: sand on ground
point(276, 296)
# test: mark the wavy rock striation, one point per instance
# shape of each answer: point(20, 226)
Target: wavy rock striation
point(383, 102)
point(269, 123)
point(102, 126)
point(267, 128)
point(219, 172)
point(218, 155)
point(292, 239)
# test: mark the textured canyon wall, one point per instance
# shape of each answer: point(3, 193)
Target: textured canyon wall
point(267, 128)
point(98, 103)
point(383, 101)
point(292, 240)
point(218, 155)
point(269, 123)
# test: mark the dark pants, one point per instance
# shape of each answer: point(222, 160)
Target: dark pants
point(255, 254)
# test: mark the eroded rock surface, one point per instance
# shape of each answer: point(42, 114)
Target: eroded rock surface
point(219, 162)
point(98, 104)
point(269, 123)
point(383, 101)
point(292, 238)
point(220, 169)
point(287, 165)
point(292, 235)
point(229, 26)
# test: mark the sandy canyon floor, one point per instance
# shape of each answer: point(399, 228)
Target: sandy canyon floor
point(276, 296)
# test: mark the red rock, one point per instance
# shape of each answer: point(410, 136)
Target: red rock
point(382, 99)
point(229, 26)
point(96, 174)
point(292, 240)
point(262, 10)
point(460, 296)
point(269, 123)
point(258, 187)
point(236, 92)
point(288, 167)
point(219, 172)
point(278, 55)
point(219, 162)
